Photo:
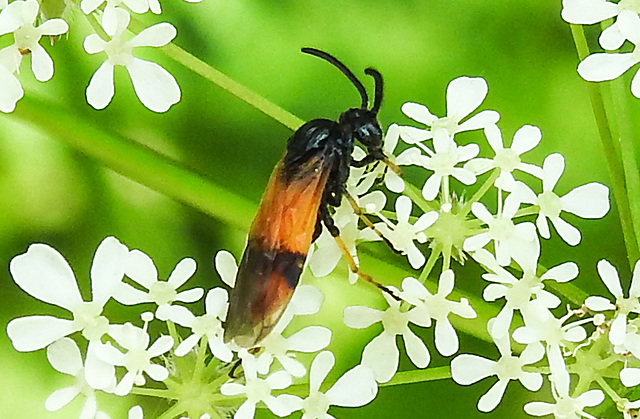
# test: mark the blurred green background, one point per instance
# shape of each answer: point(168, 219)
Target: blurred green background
point(52, 193)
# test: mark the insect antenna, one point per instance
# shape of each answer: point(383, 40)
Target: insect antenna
point(343, 68)
point(377, 100)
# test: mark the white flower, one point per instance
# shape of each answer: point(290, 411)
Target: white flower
point(65, 357)
point(356, 387)
point(468, 369)
point(586, 201)
point(140, 269)
point(623, 306)
point(209, 325)
point(137, 358)
point(542, 326)
point(257, 389)
point(566, 407)
point(309, 339)
point(19, 18)
point(381, 354)
point(135, 413)
point(464, 95)
point(44, 274)
point(438, 308)
point(518, 292)
point(508, 159)
point(443, 164)
point(588, 12)
point(608, 66)
point(506, 236)
point(155, 87)
point(403, 234)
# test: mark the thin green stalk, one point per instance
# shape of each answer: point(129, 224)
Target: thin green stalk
point(419, 376)
point(618, 182)
point(480, 193)
point(152, 392)
point(626, 137)
point(135, 161)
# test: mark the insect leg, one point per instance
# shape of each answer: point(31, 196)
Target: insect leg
point(358, 211)
point(353, 266)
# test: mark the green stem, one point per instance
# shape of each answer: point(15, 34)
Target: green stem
point(241, 92)
point(480, 193)
point(626, 138)
point(416, 196)
point(419, 376)
point(616, 172)
point(135, 161)
point(152, 392)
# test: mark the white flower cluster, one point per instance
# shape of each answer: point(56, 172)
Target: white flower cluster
point(156, 88)
point(119, 356)
point(429, 224)
point(502, 242)
point(626, 27)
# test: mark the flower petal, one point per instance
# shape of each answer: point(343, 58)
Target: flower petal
point(44, 274)
point(107, 269)
point(35, 332)
point(587, 201)
point(156, 88)
point(100, 90)
point(467, 369)
point(356, 387)
point(604, 66)
point(155, 36)
point(381, 355)
point(64, 356)
point(464, 95)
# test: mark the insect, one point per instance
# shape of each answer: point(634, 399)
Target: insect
point(305, 184)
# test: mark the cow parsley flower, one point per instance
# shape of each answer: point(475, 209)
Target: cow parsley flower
point(464, 95)
point(257, 390)
point(403, 234)
point(155, 87)
point(64, 355)
point(566, 406)
point(467, 369)
point(623, 306)
point(381, 354)
point(354, 388)
point(208, 325)
point(609, 66)
point(586, 201)
point(141, 270)
point(43, 273)
point(501, 230)
point(437, 307)
point(508, 159)
point(138, 355)
point(19, 17)
point(588, 12)
point(443, 163)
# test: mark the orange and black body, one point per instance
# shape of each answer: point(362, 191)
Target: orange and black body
point(307, 182)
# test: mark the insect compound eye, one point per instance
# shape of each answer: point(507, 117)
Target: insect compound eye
point(369, 134)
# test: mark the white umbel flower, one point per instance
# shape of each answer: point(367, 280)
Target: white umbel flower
point(623, 306)
point(467, 369)
point(464, 95)
point(381, 354)
point(355, 388)
point(19, 18)
point(155, 87)
point(138, 355)
point(609, 66)
point(437, 307)
point(586, 201)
